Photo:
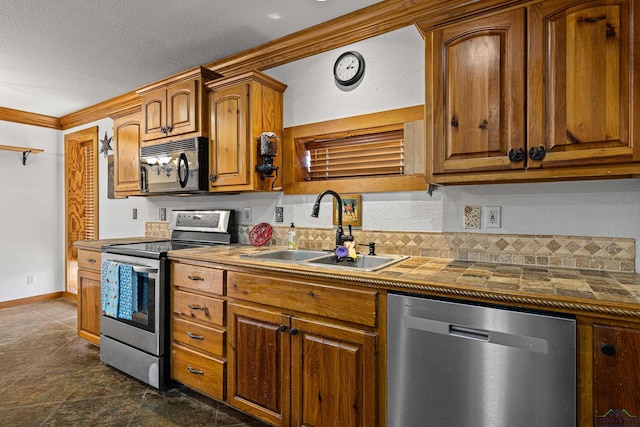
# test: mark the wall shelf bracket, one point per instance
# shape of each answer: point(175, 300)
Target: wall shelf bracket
point(25, 151)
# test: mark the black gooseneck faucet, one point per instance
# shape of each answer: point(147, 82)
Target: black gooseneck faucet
point(340, 237)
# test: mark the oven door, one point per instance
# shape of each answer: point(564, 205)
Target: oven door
point(145, 330)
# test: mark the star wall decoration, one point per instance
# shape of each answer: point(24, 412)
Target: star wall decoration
point(106, 145)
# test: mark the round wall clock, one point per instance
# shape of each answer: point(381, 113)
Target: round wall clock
point(349, 68)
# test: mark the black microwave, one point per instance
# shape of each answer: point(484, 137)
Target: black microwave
point(175, 166)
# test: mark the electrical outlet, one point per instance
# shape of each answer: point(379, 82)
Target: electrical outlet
point(163, 214)
point(279, 214)
point(492, 218)
point(247, 214)
point(135, 213)
point(31, 279)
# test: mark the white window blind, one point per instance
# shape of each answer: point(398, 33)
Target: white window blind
point(356, 156)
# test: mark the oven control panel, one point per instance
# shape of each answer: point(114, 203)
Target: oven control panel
point(217, 221)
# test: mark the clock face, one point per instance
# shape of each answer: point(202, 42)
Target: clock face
point(349, 68)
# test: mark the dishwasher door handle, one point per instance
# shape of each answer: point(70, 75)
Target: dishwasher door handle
point(461, 331)
point(536, 345)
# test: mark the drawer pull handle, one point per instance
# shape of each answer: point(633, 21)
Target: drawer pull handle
point(196, 278)
point(195, 337)
point(199, 307)
point(91, 260)
point(195, 371)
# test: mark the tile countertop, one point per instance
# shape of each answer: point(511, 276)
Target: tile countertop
point(556, 289)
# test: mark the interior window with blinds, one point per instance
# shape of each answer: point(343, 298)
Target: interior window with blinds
point(380, 154)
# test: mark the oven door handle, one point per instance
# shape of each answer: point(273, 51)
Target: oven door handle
point(145, 269)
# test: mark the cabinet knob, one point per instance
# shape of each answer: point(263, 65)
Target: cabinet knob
point(484, 124)
point(169, 128)
point(283, 328)
point(516, 155)
point(213, 178)
point(294, 331)
point(537, 153)
point(454, 121)
point(608, 349)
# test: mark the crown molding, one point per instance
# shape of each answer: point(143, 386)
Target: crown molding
point(380, 18)
point(27, 118)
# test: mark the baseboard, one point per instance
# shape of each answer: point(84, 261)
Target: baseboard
point(37, 298)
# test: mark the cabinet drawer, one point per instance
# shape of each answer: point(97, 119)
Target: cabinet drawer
point(198, 336)
point(351, 305)
point(198, 278)
point(89, 260)
point(199, 307)
point(203, 373)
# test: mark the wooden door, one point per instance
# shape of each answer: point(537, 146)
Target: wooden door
point(230, 136)
point(616, 377)
point(127, 134)
point(154, 114)
point(89, 306)
point(476, 93)
point(259, 365)
point(333, 375)
point(81, 196)
point(581, 97)
point(182, 108)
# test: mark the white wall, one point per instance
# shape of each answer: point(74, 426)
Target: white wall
point(31, 213)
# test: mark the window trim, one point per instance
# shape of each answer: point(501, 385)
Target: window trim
point(296, 137)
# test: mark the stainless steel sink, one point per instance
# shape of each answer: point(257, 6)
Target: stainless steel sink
point(326, 259)
point(294, 255)
point(362, 263)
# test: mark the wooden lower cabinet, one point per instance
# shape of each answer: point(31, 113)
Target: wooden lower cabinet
point(89, 306)
point(616, 377)
point(291, 370)
point(198, 333)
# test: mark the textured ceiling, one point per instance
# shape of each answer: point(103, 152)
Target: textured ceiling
point(60, 56)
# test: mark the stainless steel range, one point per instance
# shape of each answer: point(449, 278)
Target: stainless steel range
point(134, 325)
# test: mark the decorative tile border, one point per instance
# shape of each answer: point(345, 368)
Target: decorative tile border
point(579, 252)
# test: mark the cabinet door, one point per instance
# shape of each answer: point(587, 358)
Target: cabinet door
point(89, 306)
point(476, 93)
point(154, 114)
point(182, 108)
point(258, 358)
point(616, 377)
point(127, 134)
point(580, 74)
point(230, 136)
point(333, 375)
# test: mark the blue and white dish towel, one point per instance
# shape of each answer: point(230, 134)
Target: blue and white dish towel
point(119, 290)
point(110, 288)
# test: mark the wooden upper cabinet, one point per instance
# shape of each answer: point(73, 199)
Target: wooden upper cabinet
point(127, 134)
point(230, 136)
point(581, 103)
point(476, 93)
point(243, 107)
point(571, 118)
point(176, 106)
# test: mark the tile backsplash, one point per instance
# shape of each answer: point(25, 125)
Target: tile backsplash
point(591, 253)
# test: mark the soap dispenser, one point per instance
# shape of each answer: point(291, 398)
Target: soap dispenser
point(292, 244)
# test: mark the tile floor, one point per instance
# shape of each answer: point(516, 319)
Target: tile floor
point(51, 377)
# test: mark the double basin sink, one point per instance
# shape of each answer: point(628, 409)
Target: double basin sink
point(326, 259)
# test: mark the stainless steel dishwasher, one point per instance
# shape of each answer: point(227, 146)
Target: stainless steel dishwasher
point(454, 364)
